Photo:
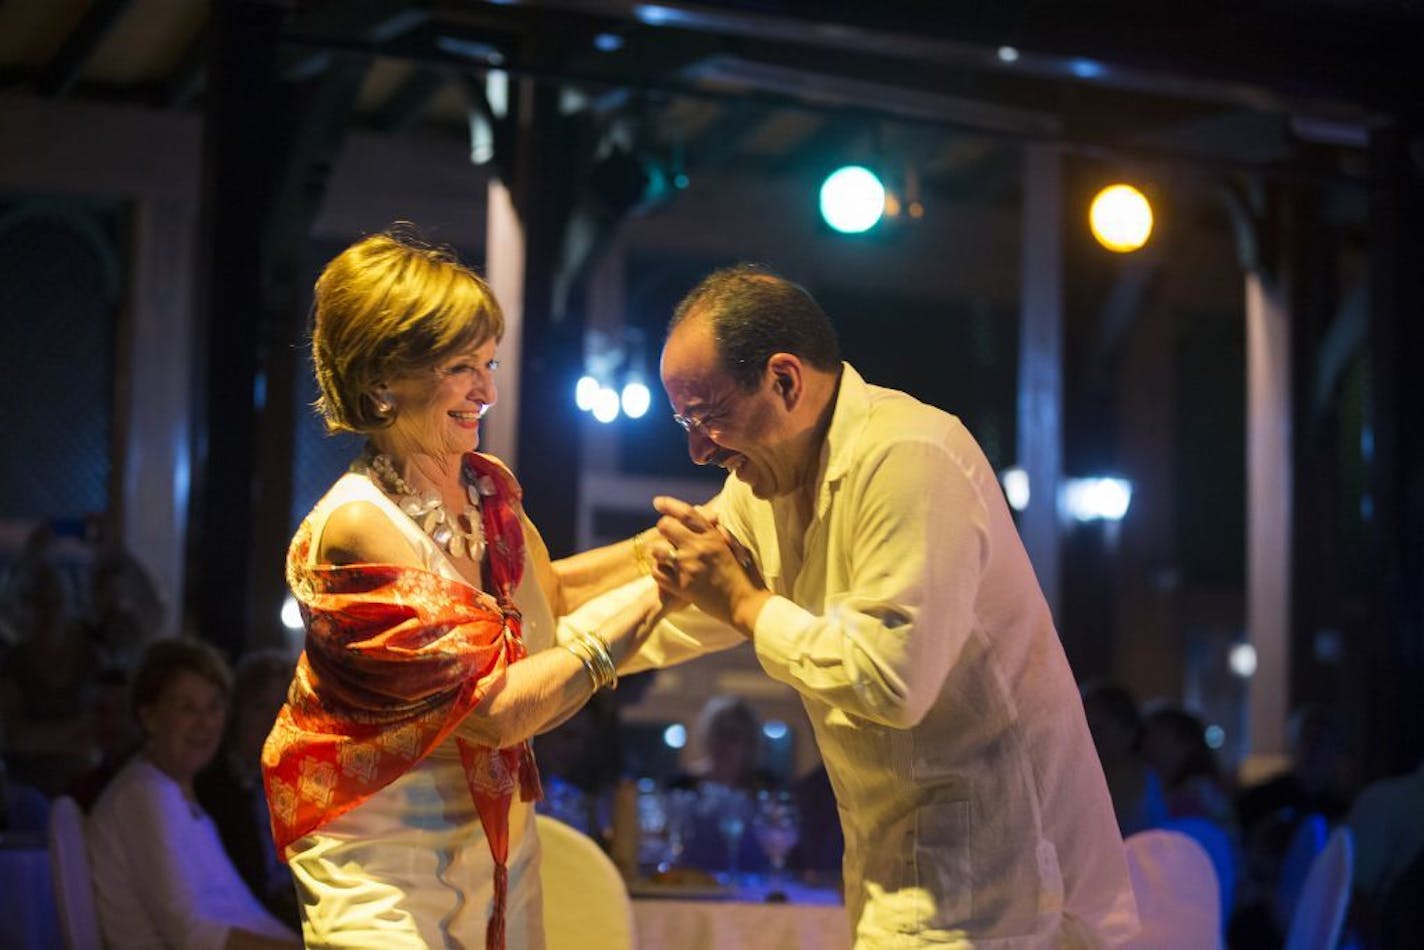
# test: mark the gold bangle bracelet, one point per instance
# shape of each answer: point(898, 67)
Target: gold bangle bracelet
point(640, 554)
point(587, 664)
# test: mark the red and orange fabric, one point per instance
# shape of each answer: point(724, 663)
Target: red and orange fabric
point(395, 658)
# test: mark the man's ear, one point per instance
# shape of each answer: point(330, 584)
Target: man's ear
point(787, 381)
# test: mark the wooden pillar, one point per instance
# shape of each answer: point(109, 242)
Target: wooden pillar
point(1268, 509)
point(157, 457)
point(504, 267)
point(1040, 386)
point(237, 194)
point(540, 177)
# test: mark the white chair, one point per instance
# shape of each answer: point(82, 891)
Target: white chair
point(73, 886)
point(586, 903)
point(1320, 912)
point(1176, 888)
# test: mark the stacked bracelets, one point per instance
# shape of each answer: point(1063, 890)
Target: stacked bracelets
point(592, 652)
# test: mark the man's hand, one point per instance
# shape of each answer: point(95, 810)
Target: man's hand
point(702, 563)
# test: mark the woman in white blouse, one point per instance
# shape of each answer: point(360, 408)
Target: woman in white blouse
point(161, 876)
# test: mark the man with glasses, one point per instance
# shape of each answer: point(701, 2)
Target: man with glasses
point(863, 546)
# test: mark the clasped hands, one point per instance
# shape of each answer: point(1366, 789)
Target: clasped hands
point(702, 563)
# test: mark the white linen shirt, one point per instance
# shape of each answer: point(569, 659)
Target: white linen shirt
point(161, 876)
point(908, 617)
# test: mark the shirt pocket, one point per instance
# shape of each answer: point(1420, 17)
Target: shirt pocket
point(942, 861)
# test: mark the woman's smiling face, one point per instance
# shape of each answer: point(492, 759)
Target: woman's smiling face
point(438, 409)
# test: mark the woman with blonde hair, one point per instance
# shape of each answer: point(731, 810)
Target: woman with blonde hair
point(399, 774)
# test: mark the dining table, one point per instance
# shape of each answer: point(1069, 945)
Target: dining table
point(751, 913)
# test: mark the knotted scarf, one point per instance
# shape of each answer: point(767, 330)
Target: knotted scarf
point(395, 658)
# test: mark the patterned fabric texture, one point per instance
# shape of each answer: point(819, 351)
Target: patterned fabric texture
point(395, 658)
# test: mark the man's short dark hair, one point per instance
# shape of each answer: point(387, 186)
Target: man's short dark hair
point(755, 313)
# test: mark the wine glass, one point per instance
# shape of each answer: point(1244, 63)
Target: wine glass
point(678, 806)
point(777, 825)
point(732, 807)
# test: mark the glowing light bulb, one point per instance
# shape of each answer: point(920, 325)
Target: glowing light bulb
point(1121, 218)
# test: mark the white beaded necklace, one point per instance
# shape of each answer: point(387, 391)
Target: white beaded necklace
point(462, 535)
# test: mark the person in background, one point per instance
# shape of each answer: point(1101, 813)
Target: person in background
point(862, 544)
point(725, 744)
point(161, 876)
point(230, 788)
point(115, 734)
point(1174, 744)
point(1116, 724)
point(1387, 820)
point(43, 685)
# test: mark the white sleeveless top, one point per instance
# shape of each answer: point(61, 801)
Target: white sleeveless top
point(410, 866)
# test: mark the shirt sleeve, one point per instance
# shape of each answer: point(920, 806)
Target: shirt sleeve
point(682, 635)
point(914, 546)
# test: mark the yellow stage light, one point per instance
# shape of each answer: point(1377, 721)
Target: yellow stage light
point(1121, 218)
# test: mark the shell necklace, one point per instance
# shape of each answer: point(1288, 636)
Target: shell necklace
point(462, 535)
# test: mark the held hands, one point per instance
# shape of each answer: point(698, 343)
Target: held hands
point(702, 563)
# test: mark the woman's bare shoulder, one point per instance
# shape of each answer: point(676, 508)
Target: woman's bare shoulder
point(361, 532)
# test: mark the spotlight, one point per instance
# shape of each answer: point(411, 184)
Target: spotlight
point(1015, 482)
point(675, 736)
point(636, 399)
point(1121, 218)
point(584, 393)
point(291, 614)
point(605, 404)
point(1242, 660)
point(852, 199)
point(1096, 499)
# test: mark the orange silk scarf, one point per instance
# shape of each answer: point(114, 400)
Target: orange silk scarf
point(395, 658)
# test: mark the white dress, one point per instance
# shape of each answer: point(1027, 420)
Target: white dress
point(410, 866)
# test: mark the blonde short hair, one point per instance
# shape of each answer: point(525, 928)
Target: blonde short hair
point(385, 308)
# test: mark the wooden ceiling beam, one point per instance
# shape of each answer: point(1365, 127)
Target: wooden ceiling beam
point(67, 65)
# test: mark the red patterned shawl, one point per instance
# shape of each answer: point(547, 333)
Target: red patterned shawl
point(395, 658)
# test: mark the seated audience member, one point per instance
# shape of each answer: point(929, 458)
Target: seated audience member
point(1174, 744)
point(161, 877)
point(1319, 782)
point(43, 685)
point(1321, 775)
point(1388, 823)
point(726, 747)
point(230, 788)
point(115, 735)
point(1116, 724)
point(1198, 801)
point(820, 845)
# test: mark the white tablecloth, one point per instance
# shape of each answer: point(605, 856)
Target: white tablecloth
point(27, 912)
point(812, 919)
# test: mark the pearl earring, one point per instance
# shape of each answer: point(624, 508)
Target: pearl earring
point(385, 405)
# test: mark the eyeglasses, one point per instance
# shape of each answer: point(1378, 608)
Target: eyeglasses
point(691, 423)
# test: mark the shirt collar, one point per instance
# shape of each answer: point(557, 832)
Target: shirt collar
point(847, 422)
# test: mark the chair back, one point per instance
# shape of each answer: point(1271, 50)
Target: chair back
point(586, 903)
point(1306, 842)
point(1325, 896)
point(1176, 889)
point(73, 886)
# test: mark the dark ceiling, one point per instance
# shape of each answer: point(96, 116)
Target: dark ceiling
point(768, 88)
